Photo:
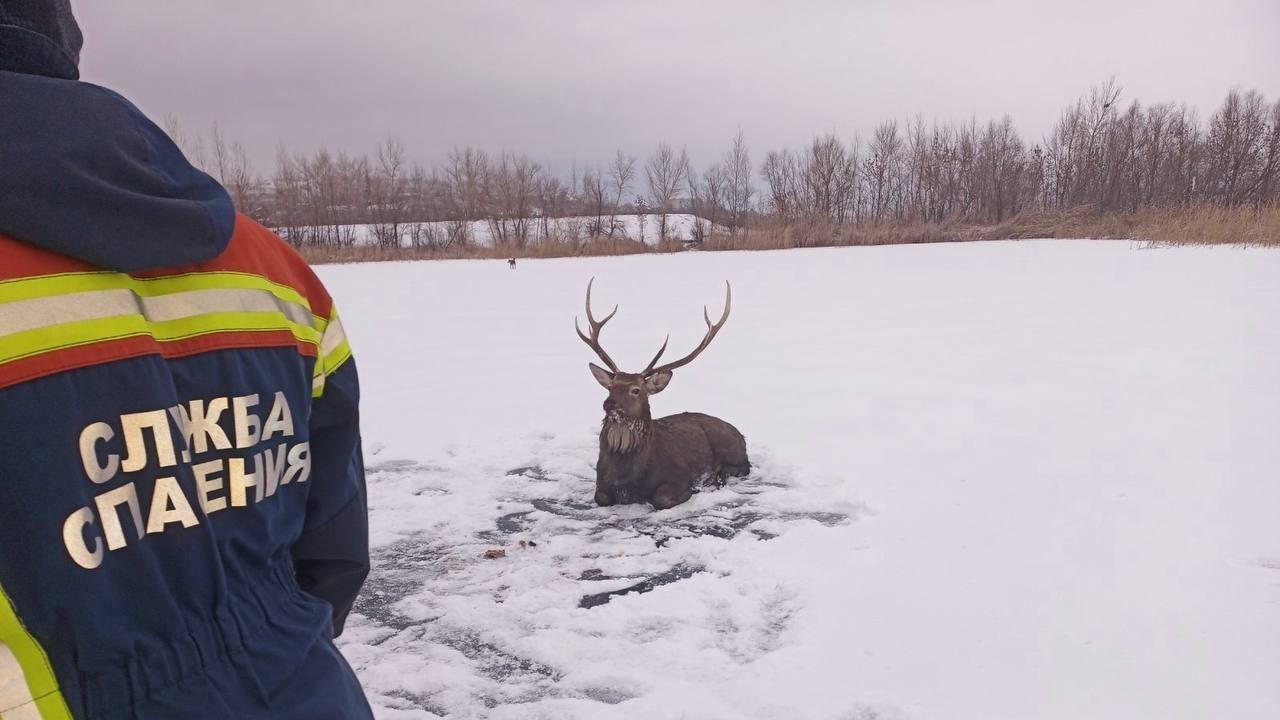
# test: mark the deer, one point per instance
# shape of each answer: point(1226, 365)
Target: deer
point(665, 461)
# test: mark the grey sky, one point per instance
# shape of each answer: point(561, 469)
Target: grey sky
point(573, 79)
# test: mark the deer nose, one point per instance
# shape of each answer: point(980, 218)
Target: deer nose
point(610, 405)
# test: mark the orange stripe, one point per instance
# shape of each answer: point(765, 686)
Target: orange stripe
point(256, 250)
point(73, 358)
point(253, 249)
point(23, 261)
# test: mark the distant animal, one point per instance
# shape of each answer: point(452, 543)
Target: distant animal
point(663, 461)
point(511, 263)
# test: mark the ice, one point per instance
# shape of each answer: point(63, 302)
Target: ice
point(995, 480)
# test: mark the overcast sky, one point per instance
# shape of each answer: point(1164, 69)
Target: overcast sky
point(567, 80)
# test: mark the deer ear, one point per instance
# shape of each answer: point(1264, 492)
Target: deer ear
point(604, 377)
point(657, 382)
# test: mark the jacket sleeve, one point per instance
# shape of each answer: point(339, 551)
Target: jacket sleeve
point(331, 558)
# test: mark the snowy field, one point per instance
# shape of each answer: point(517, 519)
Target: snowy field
point(1016, 480)
point(681, 227)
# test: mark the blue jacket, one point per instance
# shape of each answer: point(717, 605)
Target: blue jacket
point(183, 525)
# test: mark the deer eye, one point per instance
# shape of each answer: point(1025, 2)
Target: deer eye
point(635, 391)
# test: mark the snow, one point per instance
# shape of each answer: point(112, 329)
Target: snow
point(645, 228)
point(1003, 480)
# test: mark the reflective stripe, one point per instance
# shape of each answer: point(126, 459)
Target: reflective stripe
point(26, 712)
point(13, 682)
point(23, 315)
point(35, 325)
point(334, 337)
point(75, 334)
point(62, 284)
point(28, 688)
point(61, 312)
point(334, 351)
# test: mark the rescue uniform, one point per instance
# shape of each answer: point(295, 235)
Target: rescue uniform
point(183, 523)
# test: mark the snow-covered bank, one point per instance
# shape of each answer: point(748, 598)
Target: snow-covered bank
point(648, 229)
point(995, 480)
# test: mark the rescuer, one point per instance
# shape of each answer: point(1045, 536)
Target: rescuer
point(183, 523)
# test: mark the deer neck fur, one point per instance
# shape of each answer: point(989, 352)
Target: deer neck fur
point(624, 435)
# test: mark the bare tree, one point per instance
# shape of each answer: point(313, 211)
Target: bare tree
point(553, 200)
point(467, 175)
point(232, 168)
point(1242, 147)
point(286, 187)
point(706, 195)
point(191, 145)
point(1098, 155)
point(1001, 165)
point(665, 172)
point(882, 171)
point(595, 191)
point(780, 174)
point(621, 172)
point(827, 181)
point(514, 186)
point(388, 199)
point(421, 207)
point(738, 187)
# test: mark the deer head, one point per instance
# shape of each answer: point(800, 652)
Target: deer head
point(626, 409)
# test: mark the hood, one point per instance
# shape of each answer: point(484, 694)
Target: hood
point(84, 173)
point(40, 37)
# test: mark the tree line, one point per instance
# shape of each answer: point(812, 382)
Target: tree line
point(1099, 155)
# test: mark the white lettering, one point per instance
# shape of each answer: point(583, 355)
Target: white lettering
point(169, 505)
point(203, 426)
point(136, 445)
point(248, 426)
point(280, 419)
point(299, 464)
point(272, 469)
point(109, 451)
point(107, 504)
point(73, 539)
point(97, 471)
point(208, 485)
point(182, 419)
point(238, 481)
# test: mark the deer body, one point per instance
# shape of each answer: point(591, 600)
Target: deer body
point(674, 457)
point(661, 461)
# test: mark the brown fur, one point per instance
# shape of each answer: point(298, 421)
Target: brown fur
point(661, 461)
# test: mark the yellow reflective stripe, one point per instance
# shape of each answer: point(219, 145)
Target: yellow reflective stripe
point(334, 347)
point(334, 351)
point(72, 334)
point(39, 312)
point(54, 312)
point(25, 674)
point(65, 283)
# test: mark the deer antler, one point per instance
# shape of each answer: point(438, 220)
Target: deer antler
point(594, 341)
point(706, 340)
